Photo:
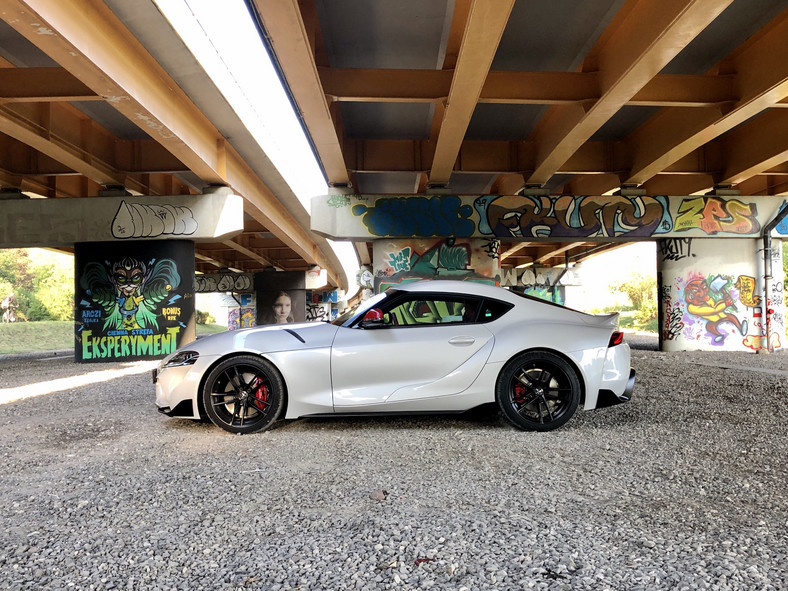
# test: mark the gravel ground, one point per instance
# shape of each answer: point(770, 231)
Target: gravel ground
point(685, 487)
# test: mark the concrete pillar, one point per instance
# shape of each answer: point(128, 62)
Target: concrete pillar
point(711, 295)
point(133, 299)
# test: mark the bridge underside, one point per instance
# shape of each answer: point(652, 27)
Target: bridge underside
point(399, 98)
point(454, 97)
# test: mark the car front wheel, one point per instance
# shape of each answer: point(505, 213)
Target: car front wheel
point(243, 395)
point(538, 391)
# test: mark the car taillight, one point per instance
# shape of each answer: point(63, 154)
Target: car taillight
point(616, 339)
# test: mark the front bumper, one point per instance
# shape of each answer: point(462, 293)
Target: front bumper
point(177, 387)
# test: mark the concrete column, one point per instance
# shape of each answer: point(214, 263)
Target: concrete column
point(711, 295)
point(134, 299)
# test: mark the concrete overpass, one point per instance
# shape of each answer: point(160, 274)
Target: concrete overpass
point(465, 98)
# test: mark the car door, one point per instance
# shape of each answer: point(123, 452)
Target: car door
point(429, 347)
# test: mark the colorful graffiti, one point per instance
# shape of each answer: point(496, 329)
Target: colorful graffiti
point(417, 216)
point(782, 227)
point(710, 299)
point(129, 291)
point(241, 317)
point(713, 215)
point(746, 287)
point(133, 304)
point(543, 216)
point(449, 258)
point(546, 284)
point(707, 308)
point(446, 256)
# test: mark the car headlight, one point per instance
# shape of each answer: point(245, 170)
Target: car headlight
point(181, 358)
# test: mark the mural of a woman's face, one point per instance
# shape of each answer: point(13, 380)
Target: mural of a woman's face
point(281, 307)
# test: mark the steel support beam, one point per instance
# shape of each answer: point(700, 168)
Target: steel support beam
point(761, 82)
point(656, 31)
point(484, 28)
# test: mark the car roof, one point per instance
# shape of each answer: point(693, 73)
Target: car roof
point(460, 288)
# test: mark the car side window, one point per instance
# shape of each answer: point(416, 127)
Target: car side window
point(492, 310)
point(425, 310)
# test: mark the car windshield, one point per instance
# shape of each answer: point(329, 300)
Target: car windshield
point(347, 318)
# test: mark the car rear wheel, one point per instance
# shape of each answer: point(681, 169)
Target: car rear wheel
point(538, 391)
point(243, 395)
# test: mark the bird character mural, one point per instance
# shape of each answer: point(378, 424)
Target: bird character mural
point(129, 291)
point(711, 300)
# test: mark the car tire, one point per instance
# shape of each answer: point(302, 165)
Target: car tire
point(538, 391)
point(243, 394)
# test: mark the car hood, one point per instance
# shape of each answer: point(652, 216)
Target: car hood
point(268, 339)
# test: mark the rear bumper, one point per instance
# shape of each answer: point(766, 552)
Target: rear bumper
point(609, 398)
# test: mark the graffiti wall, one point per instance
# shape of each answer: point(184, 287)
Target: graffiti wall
point(241, 317)
point(134, 299)
point(712, 295)
point(533, 217)
point(544, 283)
point(403, 261)
point(322, 306)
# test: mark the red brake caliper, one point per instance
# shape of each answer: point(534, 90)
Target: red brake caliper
point(260, 394)
point(520, 395)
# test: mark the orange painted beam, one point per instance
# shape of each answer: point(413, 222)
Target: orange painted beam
point(655, 32)
point(760, 82)
point(485, 25)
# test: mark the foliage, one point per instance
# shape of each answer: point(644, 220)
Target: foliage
point(201, 317)
point(642, 292)
point(785, 257)
point(43, 290)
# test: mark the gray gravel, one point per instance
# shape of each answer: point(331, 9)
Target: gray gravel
point(685, 487)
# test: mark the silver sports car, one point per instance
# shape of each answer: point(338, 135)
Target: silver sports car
point(424, 347)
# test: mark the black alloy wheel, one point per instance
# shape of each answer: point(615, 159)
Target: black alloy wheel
point(538, 391)
point(243, 395)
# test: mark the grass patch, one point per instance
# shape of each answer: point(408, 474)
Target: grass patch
point(206, 329)
point(27, 337)
point(23, 337)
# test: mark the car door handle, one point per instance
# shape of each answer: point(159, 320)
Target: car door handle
point(462, 341)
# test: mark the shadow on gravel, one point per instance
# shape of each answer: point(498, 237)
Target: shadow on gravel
point(483, 417)
point(486, 416)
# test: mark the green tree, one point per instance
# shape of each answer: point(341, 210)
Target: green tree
point(16, 278)
point(642, 293)
point(43, 290)
point(785, 257)
point(53, 292)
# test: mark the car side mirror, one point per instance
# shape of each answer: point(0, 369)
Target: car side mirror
point(372, 319)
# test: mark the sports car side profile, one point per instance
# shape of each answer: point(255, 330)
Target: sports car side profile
point(423, 347)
